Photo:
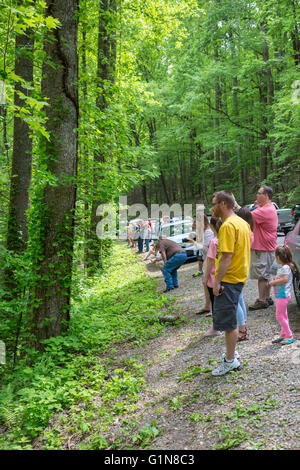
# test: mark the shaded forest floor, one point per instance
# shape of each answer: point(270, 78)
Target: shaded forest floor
point(181, 406)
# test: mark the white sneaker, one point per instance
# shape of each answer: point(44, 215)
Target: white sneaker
point(236, 355)
point(226, 367)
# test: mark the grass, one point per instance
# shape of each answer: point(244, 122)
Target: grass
point(119, 305)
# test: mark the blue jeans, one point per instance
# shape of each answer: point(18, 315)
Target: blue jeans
point(170, 269)
point(241, 312)
point(147, 242)
point(140, 244)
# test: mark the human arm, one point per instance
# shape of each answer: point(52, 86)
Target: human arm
point(223, 267)
point(281, 280)
point(282, 276)
point(151, 252)
point(164, 257)
point(207, 269)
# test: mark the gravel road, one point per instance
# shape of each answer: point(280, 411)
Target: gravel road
point(255, 408)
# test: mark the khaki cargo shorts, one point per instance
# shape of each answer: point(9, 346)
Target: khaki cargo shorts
point(261, 264)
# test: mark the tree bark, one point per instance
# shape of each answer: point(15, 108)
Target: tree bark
point(22, 150)
point(238, 147)
point(56, 217)
point(217, 122)
point(107, 46)
point(295, 36)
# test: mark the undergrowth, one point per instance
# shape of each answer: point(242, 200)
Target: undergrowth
point(74, 376)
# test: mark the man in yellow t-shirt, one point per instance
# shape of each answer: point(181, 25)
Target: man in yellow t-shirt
point(232, 267)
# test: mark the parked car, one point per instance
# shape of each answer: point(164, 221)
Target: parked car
point(178, 231)
point(292, 240)
point(296, 213)
point(285, 218)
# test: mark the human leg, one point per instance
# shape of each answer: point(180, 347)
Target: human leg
point(208, 305)
point(200, 259)
point(231, 338)
point(260, 269)
point(211, 331)
point(240, 316)
point(170, 269)
point(225, 319)
point(230, 360)
point(167, 276)
point(282, 317)
point(263, 289)
point(140, 244)
point(242, 319)
point(175, 277)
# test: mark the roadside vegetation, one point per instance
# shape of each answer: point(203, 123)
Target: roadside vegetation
point(121, 379)
point(120, 304)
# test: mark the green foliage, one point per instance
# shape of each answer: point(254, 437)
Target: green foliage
point(198, 96)
point(225, 107)
point(196, 417)
point(191, 372)
point(146, 435)
point(230, 437)
point(241, 411)
point(109, 309)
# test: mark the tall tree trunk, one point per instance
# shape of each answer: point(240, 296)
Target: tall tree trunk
point(164, 187)
point(21, 157)
point(3, 113)
point(263, 91)
point(295, 36)
point(85, 158)
point(266, 98)
point(182, 183)
point(59, 85)
point(22, 149)
point(238, 147)
point(217, 123)
point(106, 66)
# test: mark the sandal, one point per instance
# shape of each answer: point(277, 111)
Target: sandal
point(243, 335)
point(203, 310)
point(277, 340)
point(288, 341)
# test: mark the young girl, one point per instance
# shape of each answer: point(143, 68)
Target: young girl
point(208, 278)
point(282, 289)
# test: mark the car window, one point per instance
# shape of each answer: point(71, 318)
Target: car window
point(171, 230)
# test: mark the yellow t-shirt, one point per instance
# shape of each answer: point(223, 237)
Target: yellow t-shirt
point(234, 237)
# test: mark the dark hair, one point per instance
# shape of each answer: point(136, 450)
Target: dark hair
point(285, 255)
point(268, 190)
point(216, 223)
point(246, 214)
point(226, 197)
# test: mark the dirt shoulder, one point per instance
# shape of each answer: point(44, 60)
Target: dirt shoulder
point(256, 408)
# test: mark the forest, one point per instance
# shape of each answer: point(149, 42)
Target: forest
point(162, 101)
